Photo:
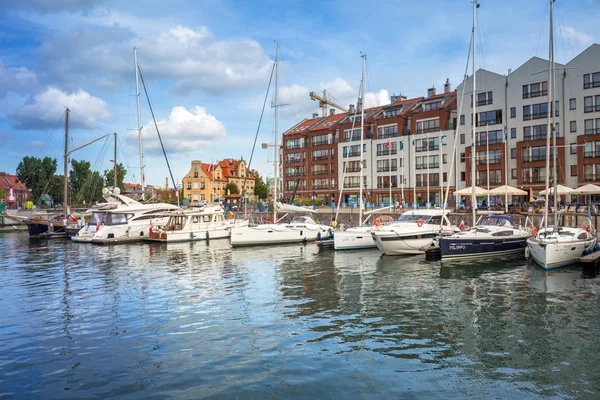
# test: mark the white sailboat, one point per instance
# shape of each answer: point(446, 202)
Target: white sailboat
point(299, 229)
point(554, 246)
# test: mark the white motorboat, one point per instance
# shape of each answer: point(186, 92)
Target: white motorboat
point(299, 229)
point(359, 237)
point(193, 225)
point(414, 230)
point(494, 235)
point(123, 218)
point(555, 248)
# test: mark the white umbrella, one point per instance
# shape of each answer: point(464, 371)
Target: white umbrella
point(469, 191)
point(560, 189)
point(505, 189)
point(587, 189)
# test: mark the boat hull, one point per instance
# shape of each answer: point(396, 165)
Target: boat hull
point(353, 239)
point(464, 248)
point(394, 244)
point(554, 255)
point(263, 235)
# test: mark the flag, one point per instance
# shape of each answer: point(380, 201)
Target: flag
point(443, 139)
point(389, 143)
point(150, 230)
point(401, 145)
point(413, 142)
point(98, 226)
point(505, 134)
point(462, 225)
point(210, 167)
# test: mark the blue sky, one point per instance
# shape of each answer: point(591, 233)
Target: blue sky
point(207, 64)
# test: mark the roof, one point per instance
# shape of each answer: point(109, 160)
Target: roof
point(328, 121)
point(303, 125)
point(229, 166)
point(7, 181)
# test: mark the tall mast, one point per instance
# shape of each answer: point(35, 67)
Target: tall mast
point(115, 162)
point(474, 124)
point(139, 120)
point(441, 180)
point(550, 128)
point(66, 163)
point(362, 127)
point(427, 156)
point(276, 133)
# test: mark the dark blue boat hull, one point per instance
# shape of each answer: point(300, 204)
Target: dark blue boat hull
point(467, 248)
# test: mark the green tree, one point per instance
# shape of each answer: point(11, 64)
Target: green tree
point(109, 174)
point(36, 174)
point(84, 184)
point(2, 193)
point(232, 188)
point(260, 189)
point(55, 189)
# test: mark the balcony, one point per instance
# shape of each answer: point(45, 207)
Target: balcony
point(432, 183)
point(295, 161)
point(428, 130)
point(386, 152)
point(295, 174)
point(534, 180)
point(387, 135)
point(530, 137)
point(351, 185)
point(537, 93)
point(295, 146)
point(352, 154)
point(490, 122)
point(493, 181)
point(320, 172)
point(353, 169)
point(589, 85)
point(589, 109)
point(319, 158)
point(384, 186)
point(533, 158)
point(420, 166)
point(387, 169)
point(490, 141)
point(592, 131)
point(492, 160)
point(320, 187)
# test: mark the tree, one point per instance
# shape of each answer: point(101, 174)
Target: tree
point(2, 193)
point(260, 189)
point(36, 174)
point(109, 176)
point(55, 189)
point(232, 188)
point(84, 184)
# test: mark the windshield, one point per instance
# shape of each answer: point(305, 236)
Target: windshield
point(114, 219)
point(415, 218)
point(96, 217)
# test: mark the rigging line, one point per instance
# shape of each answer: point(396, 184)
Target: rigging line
point(560, 33)
point(483, 42)
point(156, 125)
point(105, 130)
point(254, 147)
point(86, 188)
point(537, 48)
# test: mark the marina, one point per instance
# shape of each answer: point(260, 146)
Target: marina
point(206, 320)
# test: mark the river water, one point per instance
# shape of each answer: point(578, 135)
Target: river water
point(206, 321)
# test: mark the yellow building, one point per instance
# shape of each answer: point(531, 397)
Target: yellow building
point(206, 182)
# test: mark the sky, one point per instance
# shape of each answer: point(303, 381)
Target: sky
point(206, 67)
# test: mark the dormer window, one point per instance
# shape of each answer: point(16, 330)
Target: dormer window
point(432, 106)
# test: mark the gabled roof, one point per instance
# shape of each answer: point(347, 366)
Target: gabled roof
point(328, 122)
point(229, 166)
point(7, 181)
point(303, 125)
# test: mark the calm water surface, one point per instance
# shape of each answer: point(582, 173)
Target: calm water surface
point(207, 321)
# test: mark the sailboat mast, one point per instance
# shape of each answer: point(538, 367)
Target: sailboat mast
point(550, 129)
point(362, 128)
point(115, 162)
point(66, 163)
point(549, 124)
point(139, 120)
point(474, 123)
point(276, 151)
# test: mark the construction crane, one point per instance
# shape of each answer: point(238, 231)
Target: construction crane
point(323, 102)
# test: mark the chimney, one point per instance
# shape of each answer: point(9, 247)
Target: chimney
point(351, 109)
point(315, 115)
point(431, 91)
point(447, 87)
point(332, 111)
point(394, 98)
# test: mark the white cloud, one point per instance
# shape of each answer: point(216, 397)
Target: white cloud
point(16, 80)
point(45, 109)
point(377, 99)
point(184, 131)
point(578, 38)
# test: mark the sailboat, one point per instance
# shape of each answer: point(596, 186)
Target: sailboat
point(554, 246)
point(359, 237)
point(491, 234)
point(301, 228)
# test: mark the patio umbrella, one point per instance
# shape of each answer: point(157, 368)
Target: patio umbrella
point(560, 189)
point(468, 191)
point(587, 189)
point(505, 189)
point(531, 198)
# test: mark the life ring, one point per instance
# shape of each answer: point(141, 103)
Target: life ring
point(420, 222)
point(534, 230)
point(377, 223)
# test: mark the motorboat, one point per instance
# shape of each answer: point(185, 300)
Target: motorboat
point(359, 237)
point(493, 235)
point(122, 217)
point(414, 231)
point(194, 225)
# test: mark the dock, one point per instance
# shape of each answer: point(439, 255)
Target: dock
point(326, 244)
point(432, 252)
point(590, 263)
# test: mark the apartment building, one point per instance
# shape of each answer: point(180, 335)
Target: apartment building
point(408, 144)
point(206, 182)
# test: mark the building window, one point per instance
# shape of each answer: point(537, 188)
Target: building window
point(573, 148)
point(588, 104)
point(462, 119)
point(202, 185)
point(195, 172)
point(445, 159)
point(189, 185)
point(573, 126)
point(513, 112)
point(462, 157)
point(573, 170)
point(572, 104)
point(526, 113)
point(513, 133)
point(463, 176)
point(462, 138)
point(591, 80)
point(431, 125)
point(513, 173)
point(513, 153)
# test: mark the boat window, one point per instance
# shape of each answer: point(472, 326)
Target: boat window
point(97, 217)
point(414, 218)
point(115, 219)
point(206, 218)
point(436, 220)
point(195, 220)
point(503, 233)
point(582, 236)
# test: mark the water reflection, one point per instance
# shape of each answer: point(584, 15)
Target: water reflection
point(170, 320)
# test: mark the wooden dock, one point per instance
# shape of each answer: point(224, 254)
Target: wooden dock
point(326, 244)
point(591, 264)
